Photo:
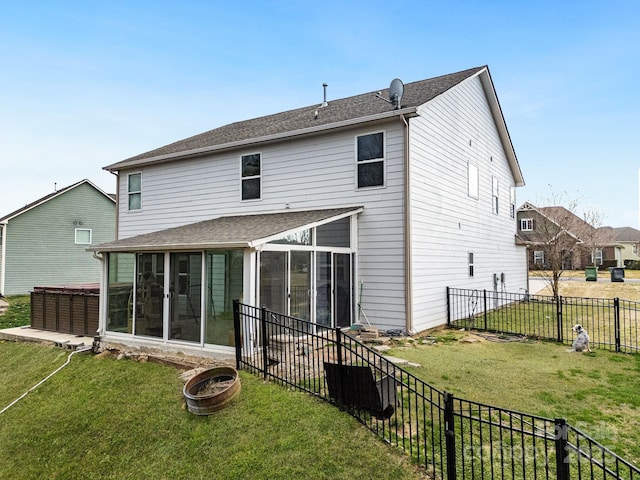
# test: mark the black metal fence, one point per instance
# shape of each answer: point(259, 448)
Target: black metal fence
point(451, 438)
point(612, 324)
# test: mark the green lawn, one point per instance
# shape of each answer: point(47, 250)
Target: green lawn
point(119, 419)
point(19, 312)
point(597, 393)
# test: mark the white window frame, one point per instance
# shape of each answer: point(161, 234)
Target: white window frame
point(130, 192)
point(473, 180)
point(599, 257)
point(382, 160)
point(77, 230)
point(538, 257)
point(512, 201)
point(251, 177)
point(526, 224)
point(495, 198)
point(471, 262)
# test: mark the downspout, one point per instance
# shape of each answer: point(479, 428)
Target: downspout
point(408, 269)
point(102, 300)
point(3, 254)
point(117, 175)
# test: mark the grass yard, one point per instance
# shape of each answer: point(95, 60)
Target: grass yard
point(102, 418)
point(573, 284)
point(597, 393)
point(18, 313)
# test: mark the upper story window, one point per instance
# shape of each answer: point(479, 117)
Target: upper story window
point(134, 191)
point(83, 236)
point(370, 160)
point(494, 189)
point(251, 176)
point(512, 201)
point(471, 265)
point(526, 224)
point(473, 179)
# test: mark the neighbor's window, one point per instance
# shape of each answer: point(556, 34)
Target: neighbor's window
point(634, 248)
point(251, 173)
point(494, 182)
point(538, 257)
point(83, 236)
point(370, 160)
point(598, 259)
point(472, 178)
point(471, 264)
point(134, 190)
point(526, 224)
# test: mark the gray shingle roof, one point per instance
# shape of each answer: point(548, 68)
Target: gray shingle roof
point(225, 232)
point(342, 110)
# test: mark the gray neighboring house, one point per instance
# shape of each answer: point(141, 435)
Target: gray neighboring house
point(45, 242)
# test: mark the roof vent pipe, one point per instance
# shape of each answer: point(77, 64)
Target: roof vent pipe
point(324, 102)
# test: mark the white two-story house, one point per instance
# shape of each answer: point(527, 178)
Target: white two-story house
point(356, 210)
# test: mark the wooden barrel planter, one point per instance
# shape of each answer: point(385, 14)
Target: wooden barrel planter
point(211, 390)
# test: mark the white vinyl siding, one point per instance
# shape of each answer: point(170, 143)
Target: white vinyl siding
point(454, 129)
point(472, 179)
point(302, 174)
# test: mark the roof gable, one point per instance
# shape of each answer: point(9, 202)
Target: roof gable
point(53, 195)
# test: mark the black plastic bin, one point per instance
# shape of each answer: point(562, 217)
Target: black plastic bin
point(617, 274)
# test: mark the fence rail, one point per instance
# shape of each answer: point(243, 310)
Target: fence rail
point(450, 437)
point(613, 324)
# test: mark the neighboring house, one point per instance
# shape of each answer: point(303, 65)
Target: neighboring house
point(45, 242)
point(344, 212)
point(628, 242)
point(557, 232)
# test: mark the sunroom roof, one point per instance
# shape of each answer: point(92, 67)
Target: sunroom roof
point(241, 231)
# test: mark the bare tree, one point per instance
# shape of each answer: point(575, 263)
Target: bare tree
point(563, 237)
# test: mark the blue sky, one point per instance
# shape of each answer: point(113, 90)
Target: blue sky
point(85, 84)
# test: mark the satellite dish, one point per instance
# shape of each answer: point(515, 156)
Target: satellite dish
point(396, 89)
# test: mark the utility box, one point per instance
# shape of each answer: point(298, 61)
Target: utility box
point(591, 274)
point(617, 274)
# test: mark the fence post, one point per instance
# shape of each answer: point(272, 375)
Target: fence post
point(559, 318)
point(450, 436)
point(484, 307)
point(339, 345)
point(562, 452)
point(236, 332)
point(265, 342)
point(616, 321)
point(448, 309)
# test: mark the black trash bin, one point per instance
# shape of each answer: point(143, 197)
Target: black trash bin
point(617, 274)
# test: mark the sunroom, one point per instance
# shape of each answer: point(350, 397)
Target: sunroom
point(176, 287)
